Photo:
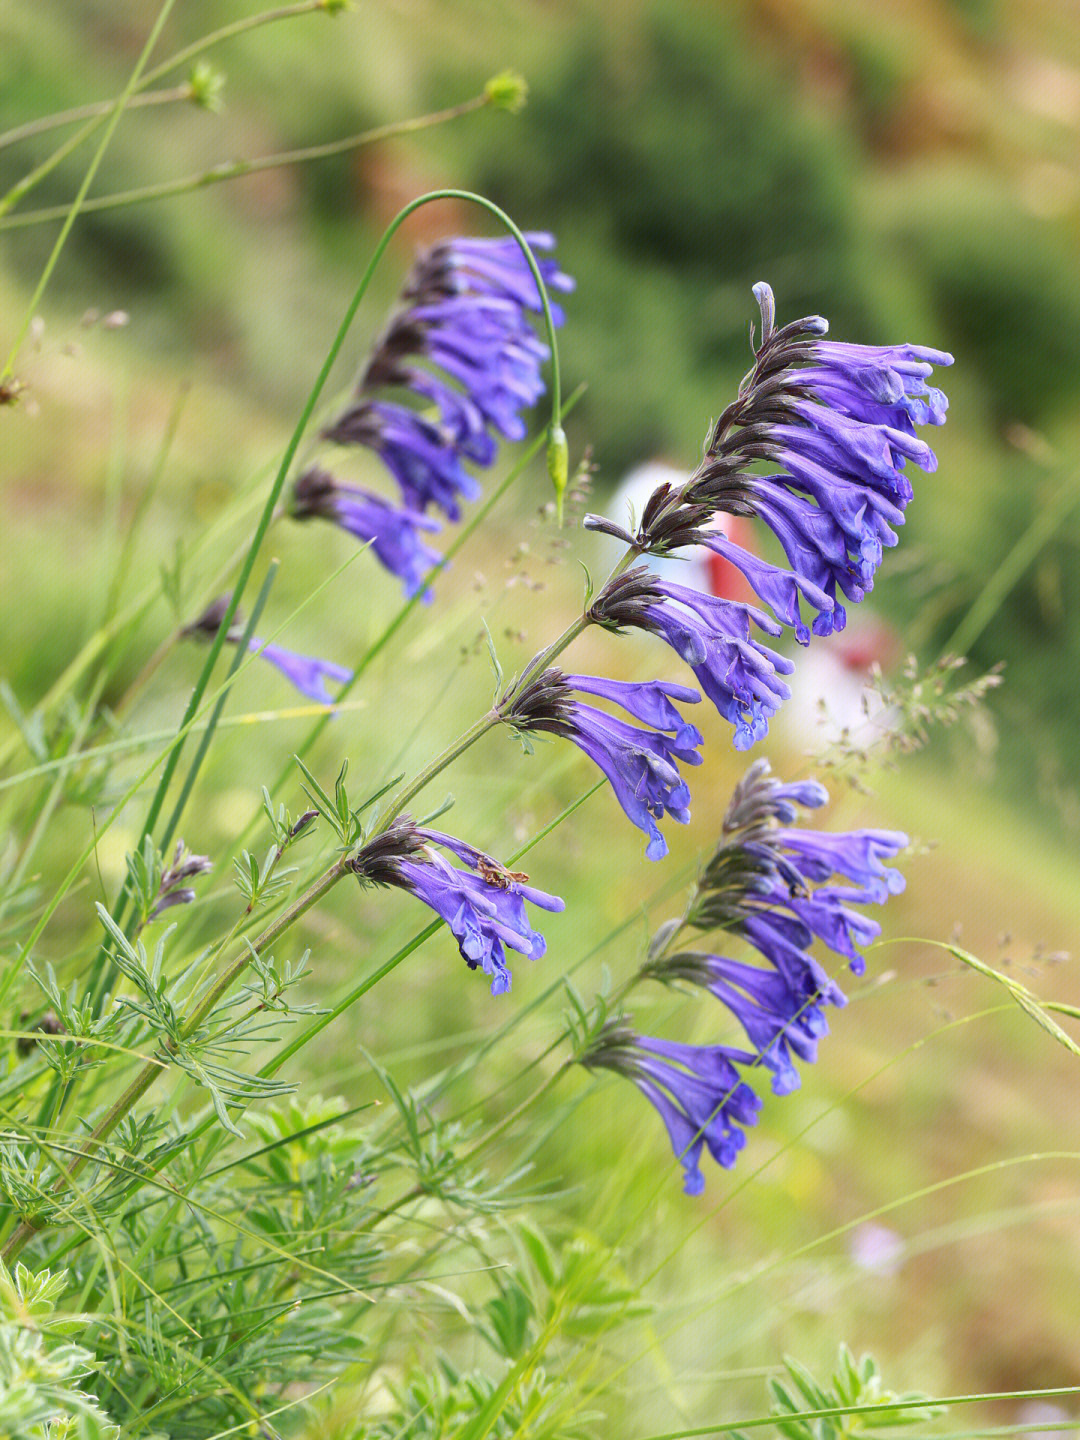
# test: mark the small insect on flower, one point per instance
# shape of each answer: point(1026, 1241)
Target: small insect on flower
point(485, 910)
point(496, 875)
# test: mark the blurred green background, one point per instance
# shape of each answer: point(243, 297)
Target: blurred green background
point(908, 169)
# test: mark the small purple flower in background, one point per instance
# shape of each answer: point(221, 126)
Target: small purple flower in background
point(839, 422)
point(641, 764)
point(485, 910)
point(758, 887)
point(877, 1248)
point(695, 1088)
point(394, 534)
point(307, 673)
point(468, 315)
point(172, 890)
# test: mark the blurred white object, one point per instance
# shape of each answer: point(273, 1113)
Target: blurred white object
point(832, 694)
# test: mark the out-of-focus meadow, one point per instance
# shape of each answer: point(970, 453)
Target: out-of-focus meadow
point(908, 169)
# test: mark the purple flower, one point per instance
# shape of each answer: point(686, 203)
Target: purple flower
point(171, 889)
point(758, 887)
point(493, 267)
point(394, 535)
point(695, 1088)
point(462, 361)
point(641, 764)
point(838, 421)
point(778, 1021)
point(307, 673)
point(857, 856)
point(484, 910)
point(413, 449)
point(714, 637)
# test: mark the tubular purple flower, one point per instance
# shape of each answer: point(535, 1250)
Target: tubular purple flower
point(737, 673)
point(777, 1022)
point(393, 534)
point(641, 765)
point(857, 855)
point(413, 449)
point(695, 1088)
point(485, 911)
point(497, 267)
point(307, 673)
point(647, 700)
point(171, 889)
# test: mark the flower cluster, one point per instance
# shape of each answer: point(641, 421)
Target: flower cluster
point(758, 888)
point(484, 905)
point(460, 362)
point(640, 763)
point(172, 888)
point(308, 674)
point(837, 422)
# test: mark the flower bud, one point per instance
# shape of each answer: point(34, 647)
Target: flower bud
point(558, 464)
point(507, 91)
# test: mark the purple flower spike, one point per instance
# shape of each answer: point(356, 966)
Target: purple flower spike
point(484, 910)
point(308, 674)
point(839, 422)
point(757, 887)
point(461, 361)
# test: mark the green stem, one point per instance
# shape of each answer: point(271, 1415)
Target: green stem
point(189, 52)
point(234, 169)
point(97, 111)
point(438, 765)
point(88, 180)
point(153, 1068)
